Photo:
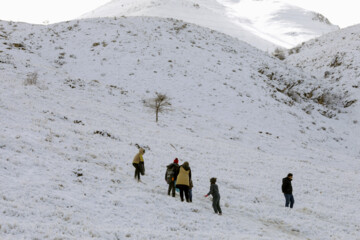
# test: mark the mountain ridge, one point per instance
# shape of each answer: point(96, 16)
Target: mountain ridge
point(272, 27)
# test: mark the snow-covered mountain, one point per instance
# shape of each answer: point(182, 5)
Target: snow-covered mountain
point(334, 59)
point(71, 110)
point(263, 24)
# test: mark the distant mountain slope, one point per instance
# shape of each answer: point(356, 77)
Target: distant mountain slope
point(334, 59)
point(167, 53)
point(278, 22)
point(69, 135)
point(263, 24)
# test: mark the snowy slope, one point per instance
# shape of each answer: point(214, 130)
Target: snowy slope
point(278, 22)
point(334, 59)
point(263, 24)
point(238, 114)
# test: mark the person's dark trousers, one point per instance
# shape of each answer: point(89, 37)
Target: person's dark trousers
point(190, 194)
point(289, 199)
point(137, 171)
point(172, 188)
point(216, 205)
point(184, 189)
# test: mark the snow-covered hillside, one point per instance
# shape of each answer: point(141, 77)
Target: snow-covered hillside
point(237, 114)
point(334, 59)
point(263, 24)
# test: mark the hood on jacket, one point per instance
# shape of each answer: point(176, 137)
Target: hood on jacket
point(141, 151)
point(213, 180)
point(186, 166)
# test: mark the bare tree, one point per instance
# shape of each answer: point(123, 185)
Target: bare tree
point(159, 104)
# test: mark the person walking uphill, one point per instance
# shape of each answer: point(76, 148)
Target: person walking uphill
point(172, 170)
point(138, 163)
point(214, 191)
point(183, 181)
point(287, 190)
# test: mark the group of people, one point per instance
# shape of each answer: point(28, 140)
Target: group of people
point(179, 177)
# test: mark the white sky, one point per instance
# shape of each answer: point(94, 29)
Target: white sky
point(343, 13)
point(38, 11)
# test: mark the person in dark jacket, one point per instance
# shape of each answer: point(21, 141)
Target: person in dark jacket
point(172, 170)
point(183, 181)
point(287, 190)
point(214, 191)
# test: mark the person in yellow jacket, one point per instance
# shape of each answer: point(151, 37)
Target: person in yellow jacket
point(138, 163)
point(183, 181)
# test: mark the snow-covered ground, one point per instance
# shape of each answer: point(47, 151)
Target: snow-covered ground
point(237, 114)
point(263, 24)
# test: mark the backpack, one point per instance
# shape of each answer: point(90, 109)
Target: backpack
point(170, 174)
